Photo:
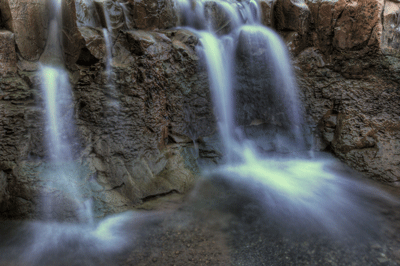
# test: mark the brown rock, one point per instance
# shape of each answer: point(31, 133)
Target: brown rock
point(86, 14)
point(358, 25)
point(324, 15)
point(291, 15)
point(292, 18)
point(139, 41)
point(153, 14)
point(28, 20)
point(125, 146)
point(8, 57)
point(111, 15)
point(357, 119)
point(267, 7)
point(94, 48)
point(72, 40)
point(217, 16)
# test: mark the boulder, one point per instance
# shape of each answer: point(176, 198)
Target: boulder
point(8, 57)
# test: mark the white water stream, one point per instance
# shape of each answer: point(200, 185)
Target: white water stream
point(296, 188)
point(293, 187)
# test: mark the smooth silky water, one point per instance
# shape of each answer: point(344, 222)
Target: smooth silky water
point(292, 184)
point(274, 170)
point(72, 228)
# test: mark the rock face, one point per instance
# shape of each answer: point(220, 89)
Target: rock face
point(153, 14)
point(136, 124)
point(28, 20)
point(135, 133)
point(348, 71)
point(267, 7)
point(8, 57)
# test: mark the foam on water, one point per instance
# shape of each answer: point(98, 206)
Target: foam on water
point(106, 237)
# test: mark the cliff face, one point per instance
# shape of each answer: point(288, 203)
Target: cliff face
point(347, 61)
point(134, 129)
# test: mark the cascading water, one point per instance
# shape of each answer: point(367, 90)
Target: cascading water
point(60, 132)
point(108, 42)
point(235, 62)
point(249, 61)
point(242, 58)
point(64, 188)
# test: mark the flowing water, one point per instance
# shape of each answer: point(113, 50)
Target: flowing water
point(273, 168)
point(247, 60)
point(60, 130)
point(65, 196)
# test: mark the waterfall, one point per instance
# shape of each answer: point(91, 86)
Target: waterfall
point(237, 51)
point(86, 13)
point(61, 174)
point(252, 86)
point(108, 42)
point(217, 56)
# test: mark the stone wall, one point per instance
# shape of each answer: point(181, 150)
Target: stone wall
point(346, 58)
point(134, 132)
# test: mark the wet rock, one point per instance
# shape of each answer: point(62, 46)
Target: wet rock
point(292, 18)
point(348, 86)
point(153, 14)
point(72, 41)
point(292, 15)
point(217, 16)
point(86, 14)
point(356, 119)
point(8, 57)
point(324, 15)
point(28, 20)
point(358, 25)
point(126, 152)
point(267, 7)
point(111, 15)
point(139, 41)
point(4, 197)
point(94, 48)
